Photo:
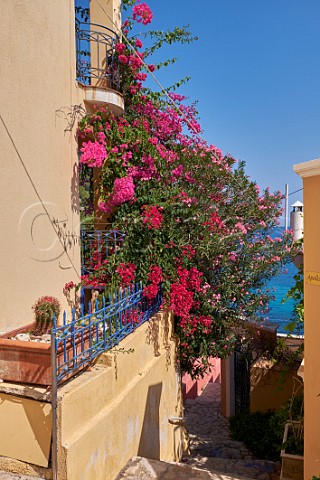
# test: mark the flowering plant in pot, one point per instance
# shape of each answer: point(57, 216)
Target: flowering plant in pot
point(45, 309)
point(26, 361)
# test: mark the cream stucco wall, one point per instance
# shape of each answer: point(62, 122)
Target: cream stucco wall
point(39, 193)
point(106, 13)
point(310, 172)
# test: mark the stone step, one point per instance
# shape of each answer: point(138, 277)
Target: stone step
point(258, 469)
point(139, 468)
point(16, 476)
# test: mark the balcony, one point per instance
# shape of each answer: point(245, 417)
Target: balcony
point(97, 246)
point(97, 67)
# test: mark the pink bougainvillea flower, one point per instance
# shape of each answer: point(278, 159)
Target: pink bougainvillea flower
point(215, 223)
point(153, 140)
point(93, 154)
point(241, 227)
point(152, 216)
point(155, 274)
point(135, 61)
point(123, 59)
point(123, 190)
point(120, 48)
point(126, 272)
point(105, 207)
point(142, 13)
point(151, 291)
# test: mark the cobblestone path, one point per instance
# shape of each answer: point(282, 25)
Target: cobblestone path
point(211, 446)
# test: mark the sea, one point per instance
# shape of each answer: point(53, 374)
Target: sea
point(281, 313)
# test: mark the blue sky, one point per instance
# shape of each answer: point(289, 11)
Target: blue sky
point(256, 74)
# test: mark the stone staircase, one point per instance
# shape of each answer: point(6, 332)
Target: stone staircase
point(213, 453)
point(140, 468)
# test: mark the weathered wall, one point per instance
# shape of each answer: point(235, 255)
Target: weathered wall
point(39, 192)
point(310, 172)
point(110, 414)
point(23, 420)
point(271, 385)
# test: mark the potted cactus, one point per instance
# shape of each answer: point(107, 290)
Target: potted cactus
point(25, 353)
point(45, 309)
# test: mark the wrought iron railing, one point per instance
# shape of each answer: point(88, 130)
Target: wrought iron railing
point(76, 344)
point(97, 245)
point(97, 63)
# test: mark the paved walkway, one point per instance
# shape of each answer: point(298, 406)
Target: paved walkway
point(211, 446)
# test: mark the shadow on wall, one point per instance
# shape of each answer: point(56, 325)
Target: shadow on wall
point(149, 445)
point(74, 188)
point(162, 337)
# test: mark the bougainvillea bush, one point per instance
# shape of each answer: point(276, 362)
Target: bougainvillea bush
point(194, 222)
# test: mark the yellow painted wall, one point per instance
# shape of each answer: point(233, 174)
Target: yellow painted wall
point(119, 408)
point(37, 79)
point(110, 414)
point(310, 172)
point(271, 385)
point(25, 427)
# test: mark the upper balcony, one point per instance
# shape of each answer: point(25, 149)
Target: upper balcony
point(97, 66)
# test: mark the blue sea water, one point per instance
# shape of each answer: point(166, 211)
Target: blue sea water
point(281, 313)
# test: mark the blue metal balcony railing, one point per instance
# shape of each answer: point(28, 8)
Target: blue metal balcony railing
point(97, 245)
point(97, 63)
point(111, 318)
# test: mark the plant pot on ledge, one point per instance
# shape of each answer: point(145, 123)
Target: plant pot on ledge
point(30, 362)
point(291, 463)
point(25, 361)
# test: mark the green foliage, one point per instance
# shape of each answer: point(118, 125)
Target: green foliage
point(83, 13)
point(125, 4)
point(177, 35)
point(256, 432)
point(262, 433)
point(296, 293)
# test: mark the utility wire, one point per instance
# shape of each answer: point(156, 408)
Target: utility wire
point(296, 191)
point(38, 195)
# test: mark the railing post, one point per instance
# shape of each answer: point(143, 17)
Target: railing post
point(54, 404)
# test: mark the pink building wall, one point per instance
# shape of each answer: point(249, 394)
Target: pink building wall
point(192, 388)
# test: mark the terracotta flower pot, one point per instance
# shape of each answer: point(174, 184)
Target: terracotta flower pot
point(30, 362)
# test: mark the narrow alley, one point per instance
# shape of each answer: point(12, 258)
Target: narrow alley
point(213, 454)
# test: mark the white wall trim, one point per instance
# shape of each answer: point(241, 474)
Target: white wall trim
point(308, 169)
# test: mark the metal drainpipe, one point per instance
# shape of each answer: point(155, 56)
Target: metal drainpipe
point(54, 403)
